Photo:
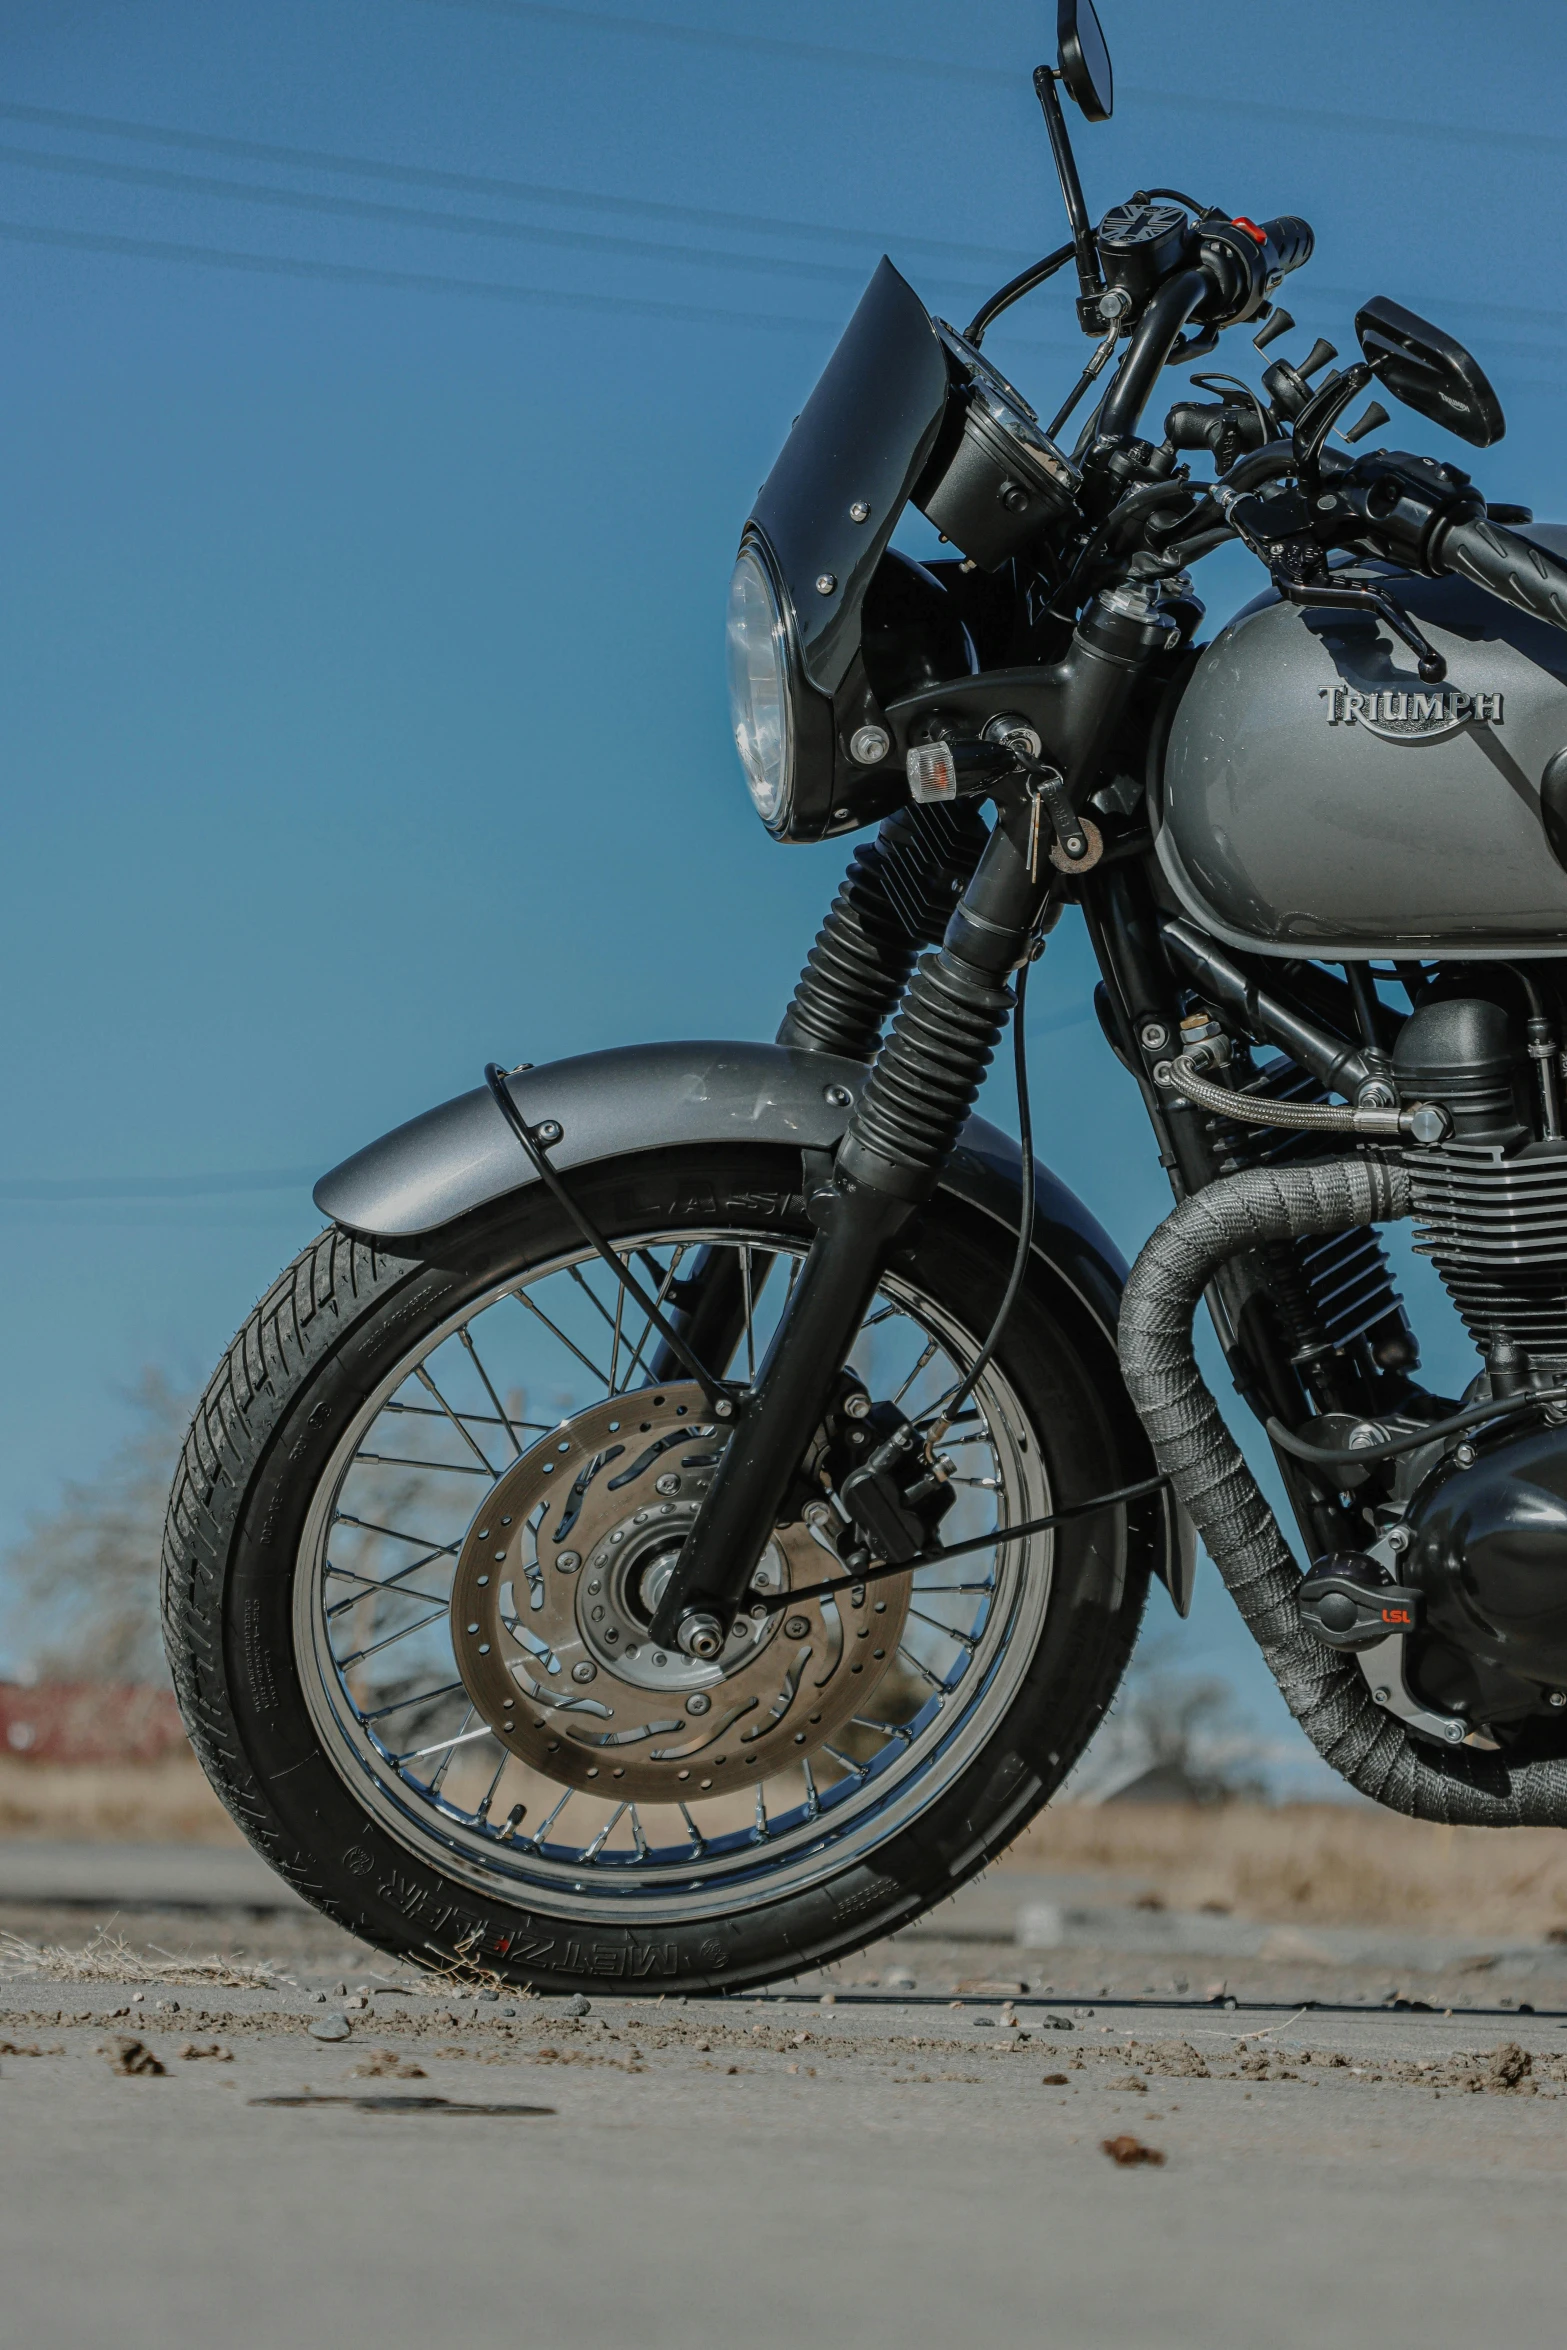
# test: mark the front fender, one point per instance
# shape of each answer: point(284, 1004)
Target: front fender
point(449, 1161)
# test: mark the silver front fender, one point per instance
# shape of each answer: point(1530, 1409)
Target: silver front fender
point(448, 1162)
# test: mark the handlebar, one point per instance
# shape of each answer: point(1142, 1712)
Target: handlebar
point(1288, 244)
point(1235, 266)
point(1510, 567)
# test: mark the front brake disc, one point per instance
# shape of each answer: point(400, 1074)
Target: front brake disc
point(557, 1581)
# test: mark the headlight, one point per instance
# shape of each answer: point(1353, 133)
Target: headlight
point(759, 686)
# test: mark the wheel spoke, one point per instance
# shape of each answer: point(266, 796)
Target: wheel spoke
point(695, 1833)
point(428, 1384)
point(914, 1374)
point(750, 1330)
point(392, 1460)
point(391, 1639)
point(368, 1583)
point(438, 1776)
point(488, 1797)
point(422, 1411)
point(963, 1639)
point(401, 1704)
point(544, 1826)
point(592, 1851)
point(464, 1737)
point(666, 1284)
point(523, 1299)
point(439, 1550)
point(466, 1335)
point(614, 1342)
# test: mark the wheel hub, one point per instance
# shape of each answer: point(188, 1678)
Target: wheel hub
point(556, 1584)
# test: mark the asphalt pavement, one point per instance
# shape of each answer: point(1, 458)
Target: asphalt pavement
point(663, 2174)
point(221, 2118)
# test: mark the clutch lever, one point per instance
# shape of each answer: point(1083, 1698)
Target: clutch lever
point(1431, 665)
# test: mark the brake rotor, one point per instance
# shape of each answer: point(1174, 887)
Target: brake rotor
point(557, 1582)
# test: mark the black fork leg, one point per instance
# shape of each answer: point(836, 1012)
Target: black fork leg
point(900, 1137)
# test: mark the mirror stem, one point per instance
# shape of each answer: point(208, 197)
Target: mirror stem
point(1090, 277)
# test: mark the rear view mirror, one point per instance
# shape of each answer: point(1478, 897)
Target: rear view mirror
point(1084, 59)
point(1428, 371)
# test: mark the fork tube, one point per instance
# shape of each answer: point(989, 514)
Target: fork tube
point(902, 1132)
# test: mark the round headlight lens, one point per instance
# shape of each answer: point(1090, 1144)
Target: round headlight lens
point(759, 686)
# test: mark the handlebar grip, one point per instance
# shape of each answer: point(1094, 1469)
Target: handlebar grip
point(1510, 567)
point(1290, 244)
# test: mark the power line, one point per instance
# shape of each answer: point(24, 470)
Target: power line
point(309, 158)
point(465, 183)
point(414, 216)
point(18, 232)
point(948, 70)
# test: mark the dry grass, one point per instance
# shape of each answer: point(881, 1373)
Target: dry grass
point(167, 1802)
point(107, 1958)
point(1334, 1864)
point(1342, 1864)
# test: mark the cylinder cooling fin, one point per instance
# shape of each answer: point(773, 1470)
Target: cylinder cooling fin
point(1490, 1204)
point(1495, 1226)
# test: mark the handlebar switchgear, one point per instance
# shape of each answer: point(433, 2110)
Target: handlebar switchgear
point(1245, 260)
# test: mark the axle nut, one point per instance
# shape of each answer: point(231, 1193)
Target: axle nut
point(702, 1636)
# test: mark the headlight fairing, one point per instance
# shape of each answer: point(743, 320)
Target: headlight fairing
point(760, 683)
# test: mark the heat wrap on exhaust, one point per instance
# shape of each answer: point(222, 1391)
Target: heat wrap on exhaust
point(1324, 1689)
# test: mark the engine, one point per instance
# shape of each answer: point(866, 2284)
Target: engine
point(1484, 1523)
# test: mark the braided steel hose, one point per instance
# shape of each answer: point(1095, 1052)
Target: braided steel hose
point(1325, 1690)
point(1425, 1122)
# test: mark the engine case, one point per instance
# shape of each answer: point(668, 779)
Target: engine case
point(1489, 1557)
point(1313, 797)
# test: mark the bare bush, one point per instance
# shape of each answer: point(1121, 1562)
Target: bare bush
point(82, 1596)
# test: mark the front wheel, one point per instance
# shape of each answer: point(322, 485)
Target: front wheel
point(427, 1507)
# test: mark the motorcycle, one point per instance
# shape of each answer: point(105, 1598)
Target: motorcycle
point(694, 1503)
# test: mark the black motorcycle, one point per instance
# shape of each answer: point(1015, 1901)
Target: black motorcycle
point(694, 1503)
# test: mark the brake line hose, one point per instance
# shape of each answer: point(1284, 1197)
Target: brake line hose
point(1324, 1689)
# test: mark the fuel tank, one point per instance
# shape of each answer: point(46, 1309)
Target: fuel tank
point(1313, 798)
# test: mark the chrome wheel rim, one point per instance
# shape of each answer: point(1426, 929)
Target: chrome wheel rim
point(408, 1492)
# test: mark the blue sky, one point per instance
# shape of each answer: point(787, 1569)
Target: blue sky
point(383, 384)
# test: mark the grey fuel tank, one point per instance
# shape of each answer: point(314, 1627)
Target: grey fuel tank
point(1313, 797)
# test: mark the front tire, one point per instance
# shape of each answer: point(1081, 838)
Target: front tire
point(324, 1521)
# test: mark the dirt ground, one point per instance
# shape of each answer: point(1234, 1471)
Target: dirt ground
point(1307, 1864)
point(225, 2118)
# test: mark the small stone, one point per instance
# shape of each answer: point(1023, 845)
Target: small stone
point(319, 1997)
point(577, 2005)
point(508, 2011)
point(828, 1999)
point(329, 2027)
point(491, 1996)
